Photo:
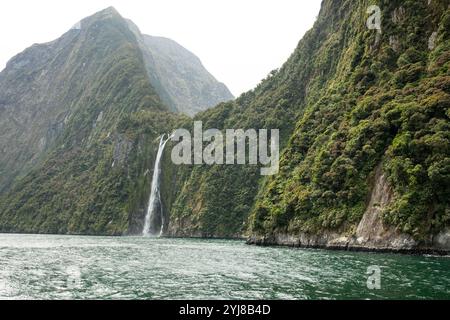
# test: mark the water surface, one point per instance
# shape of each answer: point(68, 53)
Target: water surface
point(70, 267)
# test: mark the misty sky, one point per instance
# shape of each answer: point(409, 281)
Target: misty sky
point(238, 41)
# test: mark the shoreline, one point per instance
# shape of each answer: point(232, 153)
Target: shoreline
point(272, 242)
point(414, 251)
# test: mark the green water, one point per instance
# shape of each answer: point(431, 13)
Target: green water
point(67, 267)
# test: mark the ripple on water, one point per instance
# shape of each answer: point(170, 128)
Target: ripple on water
point(68, 267)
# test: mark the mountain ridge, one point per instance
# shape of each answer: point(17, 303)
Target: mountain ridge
point(68, 155)
point(181, 79)
point(38, 57)
point(363, 119)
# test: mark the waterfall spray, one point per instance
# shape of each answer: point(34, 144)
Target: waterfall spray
point(155, 204)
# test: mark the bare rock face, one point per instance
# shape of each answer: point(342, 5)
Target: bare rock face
point(432, 41)
point(371, 231)
point(122, 148)
point(442, 240)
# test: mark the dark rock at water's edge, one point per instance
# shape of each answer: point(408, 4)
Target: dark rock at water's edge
point(348, 244)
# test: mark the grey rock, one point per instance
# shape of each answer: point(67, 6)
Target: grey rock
point(122, 148)
point(432, 41)
point(442, 240)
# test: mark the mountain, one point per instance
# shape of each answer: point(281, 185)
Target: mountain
point(43, 87)
point(79, 117)
point(56, 89)
point(190, 87)
point(179, 76)
point(364, 124)
point(364, 119)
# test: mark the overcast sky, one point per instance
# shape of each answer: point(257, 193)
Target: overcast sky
point(238, 41)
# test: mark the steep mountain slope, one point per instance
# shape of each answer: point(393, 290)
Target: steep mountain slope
point(216, 201)
point(190, 86)
point(48, 87)
point(351, 102)
point(41, 88)
point(65, 116)
point(36, 100)
point(179, 76)
point(382, 123)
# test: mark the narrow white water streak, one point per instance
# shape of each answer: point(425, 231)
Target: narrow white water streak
point(155, 195)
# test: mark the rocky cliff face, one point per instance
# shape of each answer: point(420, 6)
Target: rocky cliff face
point(372, 232)
point(348, 99)
point(390, 81)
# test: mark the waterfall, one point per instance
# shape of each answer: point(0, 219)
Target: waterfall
point(155, 204)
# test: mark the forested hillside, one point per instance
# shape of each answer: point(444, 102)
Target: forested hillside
point(348, 101)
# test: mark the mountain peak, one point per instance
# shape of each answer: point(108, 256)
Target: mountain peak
point(107, 13)
point(110, 10)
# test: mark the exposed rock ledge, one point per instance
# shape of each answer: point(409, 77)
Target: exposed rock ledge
point(371, 234)
point(334, 241)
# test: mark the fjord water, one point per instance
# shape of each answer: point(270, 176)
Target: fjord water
point(70, 267)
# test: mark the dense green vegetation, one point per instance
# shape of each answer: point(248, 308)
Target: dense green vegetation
point(353, 100)
point(382, 106)
point(94, 178)
point(348, 101)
